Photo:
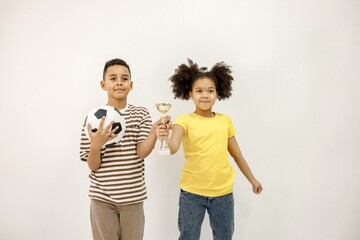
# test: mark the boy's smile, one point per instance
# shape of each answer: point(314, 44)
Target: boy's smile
point(119, 89)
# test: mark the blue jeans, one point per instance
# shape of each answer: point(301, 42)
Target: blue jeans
point(192, 209)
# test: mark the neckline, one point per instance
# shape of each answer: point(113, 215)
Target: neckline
point(215, 115)
point(121, 111)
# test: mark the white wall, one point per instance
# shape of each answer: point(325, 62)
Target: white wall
point(295, 106)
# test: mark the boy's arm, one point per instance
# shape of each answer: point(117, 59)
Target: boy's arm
point(235, 152)
point(94, 159)
point(145, 147)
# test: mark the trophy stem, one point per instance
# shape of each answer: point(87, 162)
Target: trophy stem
point(163, 108)
point(164, 147)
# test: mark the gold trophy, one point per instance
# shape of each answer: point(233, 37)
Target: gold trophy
point(163, 108)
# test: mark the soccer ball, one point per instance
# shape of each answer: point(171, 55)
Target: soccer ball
point(111, 114)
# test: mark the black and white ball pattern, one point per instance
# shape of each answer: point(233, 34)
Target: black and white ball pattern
point(111, 114)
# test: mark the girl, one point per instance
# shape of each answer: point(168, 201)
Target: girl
point(207, 137)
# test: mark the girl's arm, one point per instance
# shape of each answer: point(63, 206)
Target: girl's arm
point(235, 152)
point(176, 135)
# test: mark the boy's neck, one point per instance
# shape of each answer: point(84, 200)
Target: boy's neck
point(118, 104)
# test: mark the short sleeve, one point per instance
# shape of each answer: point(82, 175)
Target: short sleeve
point(144, 125)
point(182, 121)
point(231, 129)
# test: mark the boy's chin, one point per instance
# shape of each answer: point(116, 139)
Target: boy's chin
point(119, 95)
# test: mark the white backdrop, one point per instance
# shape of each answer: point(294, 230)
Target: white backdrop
point(295, 106)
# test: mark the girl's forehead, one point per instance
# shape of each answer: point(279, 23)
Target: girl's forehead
point(204, 82)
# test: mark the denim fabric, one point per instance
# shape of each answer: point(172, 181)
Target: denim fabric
point(192, 210)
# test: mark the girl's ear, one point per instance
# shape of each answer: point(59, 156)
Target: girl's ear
point(190, 94)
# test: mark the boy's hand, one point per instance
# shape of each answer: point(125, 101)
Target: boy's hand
point(257, 188)
point(163, 128)
point(102, 135)
point(167, 123)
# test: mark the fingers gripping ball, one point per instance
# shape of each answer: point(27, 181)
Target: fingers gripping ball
point(111, 114)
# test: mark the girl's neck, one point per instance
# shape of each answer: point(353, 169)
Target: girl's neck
point(206, 114)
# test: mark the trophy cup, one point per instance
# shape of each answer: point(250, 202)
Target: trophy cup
point(163, 108)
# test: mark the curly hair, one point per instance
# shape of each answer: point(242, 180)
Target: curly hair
point(186, 75)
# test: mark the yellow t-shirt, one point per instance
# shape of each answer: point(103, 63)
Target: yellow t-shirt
point(207, 170)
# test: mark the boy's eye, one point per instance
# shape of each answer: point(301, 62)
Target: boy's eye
point(112, 78)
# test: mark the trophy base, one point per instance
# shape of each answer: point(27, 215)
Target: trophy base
point(164, 151)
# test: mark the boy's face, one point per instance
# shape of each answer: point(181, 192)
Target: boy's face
point(117, 82)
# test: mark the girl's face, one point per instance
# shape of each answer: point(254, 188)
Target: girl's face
point(204, 95)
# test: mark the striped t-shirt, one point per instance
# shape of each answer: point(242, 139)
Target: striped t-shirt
point(120, 178)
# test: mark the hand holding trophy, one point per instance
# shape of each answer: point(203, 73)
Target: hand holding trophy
point(163, 108)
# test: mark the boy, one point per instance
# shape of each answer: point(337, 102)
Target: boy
point(117, 188)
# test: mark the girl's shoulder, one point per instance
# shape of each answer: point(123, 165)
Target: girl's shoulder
point(183, 116)
point(194, 115)
point(224, 118)
point(221, 115)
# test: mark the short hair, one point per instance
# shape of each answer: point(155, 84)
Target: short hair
point(185, 76)
point(115, 61)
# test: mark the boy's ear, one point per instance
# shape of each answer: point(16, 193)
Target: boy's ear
point(190, 94)
point(131, 85)
point(102, 84)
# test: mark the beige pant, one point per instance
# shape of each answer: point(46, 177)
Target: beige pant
point(117, 222)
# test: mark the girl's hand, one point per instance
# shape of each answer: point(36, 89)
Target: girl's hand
point(102, 135)
point(257, 188)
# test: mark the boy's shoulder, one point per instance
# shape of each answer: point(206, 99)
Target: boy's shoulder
point(132, 109)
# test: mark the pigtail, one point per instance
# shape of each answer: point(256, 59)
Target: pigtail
point(183, 79)
point(185, 75)
point(222, 73)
